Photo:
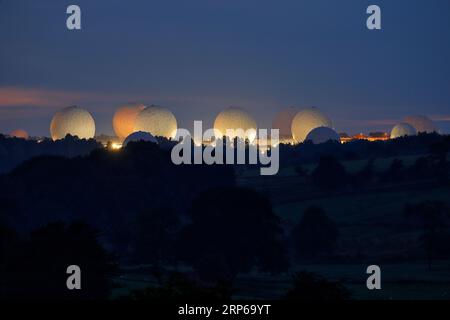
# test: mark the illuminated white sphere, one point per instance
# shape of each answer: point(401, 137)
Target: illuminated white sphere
point(74, 121)
point(283, 122)
point(307, 120)
point(421, 124)
point(19, 133)
point(403, 129)
point(140, 136)
point(158, 121)
point(234, 118)
point(124, 119)
point(322, 135)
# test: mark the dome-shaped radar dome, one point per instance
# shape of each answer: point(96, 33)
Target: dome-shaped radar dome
point(402, 129)
point(124, 119)
point(307, 120)
point(74, 121)
point(19, 133)
point(158, 121)
point(234, 118)
point(139, 136)
point(283, 122)
point(322, 135)
point(421, 124)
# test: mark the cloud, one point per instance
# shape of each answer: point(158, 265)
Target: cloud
point(18, 96)
point(440, 118)
point(36, 97)
point(28, 102)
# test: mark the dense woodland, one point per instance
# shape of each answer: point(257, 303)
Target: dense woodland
point(198, 227)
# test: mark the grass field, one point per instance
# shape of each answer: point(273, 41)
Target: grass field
point(399, 281)
point(369, 221)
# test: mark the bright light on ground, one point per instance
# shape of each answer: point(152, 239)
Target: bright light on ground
point(116, 146)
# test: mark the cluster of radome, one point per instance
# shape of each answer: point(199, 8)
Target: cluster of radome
point(138, 122)
point(294, 125)
point(308, 124)
point(134, 122)
point(146, 122)
point(413, 125)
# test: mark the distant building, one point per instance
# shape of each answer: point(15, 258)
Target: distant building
point(377, 136)
point(344, 137)
point(373, 136)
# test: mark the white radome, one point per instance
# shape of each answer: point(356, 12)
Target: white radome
point(74, 121)
point(322, 135)
point(283, 122)
point(139, 136)
point(158, 121)
point(234, 118)
point(403, 129)
point(125, 118)
point(421, 123)
point(307, 120)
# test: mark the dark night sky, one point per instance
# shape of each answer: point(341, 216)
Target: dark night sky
point(198, 57)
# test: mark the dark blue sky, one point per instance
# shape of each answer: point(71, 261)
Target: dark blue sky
point(198, 57)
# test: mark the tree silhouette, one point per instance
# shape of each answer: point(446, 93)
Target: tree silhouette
point(394, 172)
point(9, 242)
point(433, 219)
point(300, 171)
point(154, 236)
point(440, 149)
point(179, 288)
point(420, 168)
point(439, 152)
point(38, 268)
point(107, 189)
point(232, 231)
point(310, 286)
point(315, 235)
point(330, 173)
point(365, 175)
point(15, 151)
